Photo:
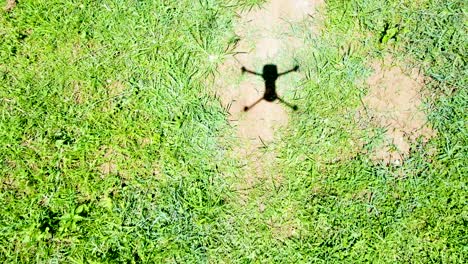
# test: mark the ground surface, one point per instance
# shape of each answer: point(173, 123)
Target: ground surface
point(265, 37)
point(394, 103)
point(122, 136)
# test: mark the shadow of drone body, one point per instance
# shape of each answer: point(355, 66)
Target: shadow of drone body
point(270, 75)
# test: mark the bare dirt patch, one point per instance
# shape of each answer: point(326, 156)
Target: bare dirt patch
point(394, 103)
point(10, 5)
point(114, 90)
point(261, 34)
point(109, 166)
point(78, 95)
point(264, 38)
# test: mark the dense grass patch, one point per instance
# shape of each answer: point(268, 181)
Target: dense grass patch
point(107, 132)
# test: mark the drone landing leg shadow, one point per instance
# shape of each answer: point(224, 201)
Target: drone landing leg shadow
point(247, 108)
point(293, 107)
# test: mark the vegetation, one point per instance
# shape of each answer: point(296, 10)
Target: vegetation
point(110, 139)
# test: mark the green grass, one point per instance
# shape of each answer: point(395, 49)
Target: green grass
point(110, 146)
point(115, 85)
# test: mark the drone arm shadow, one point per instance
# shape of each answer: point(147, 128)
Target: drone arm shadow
point(249, 71)
point(296, 68)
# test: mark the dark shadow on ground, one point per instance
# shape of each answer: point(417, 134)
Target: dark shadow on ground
point(270, 75)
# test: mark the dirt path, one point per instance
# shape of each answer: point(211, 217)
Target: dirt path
point(265, 38)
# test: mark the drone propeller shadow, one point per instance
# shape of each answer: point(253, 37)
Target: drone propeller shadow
point(270, 75)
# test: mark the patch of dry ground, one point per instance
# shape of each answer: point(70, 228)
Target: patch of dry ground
point(394, 102)
point(265, 37)
point(10, 4)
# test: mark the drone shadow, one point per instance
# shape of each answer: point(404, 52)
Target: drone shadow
point(270, 75)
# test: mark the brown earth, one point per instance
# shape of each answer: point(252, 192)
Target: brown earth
point(394, 102)
point(261, 34)
point(265, 37)
point(109, 166)
point(10, 4)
